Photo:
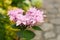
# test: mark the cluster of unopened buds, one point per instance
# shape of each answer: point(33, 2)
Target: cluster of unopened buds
point(31, 17)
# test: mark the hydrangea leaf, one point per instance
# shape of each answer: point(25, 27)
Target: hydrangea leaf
point(27, 34)
point(36, 28)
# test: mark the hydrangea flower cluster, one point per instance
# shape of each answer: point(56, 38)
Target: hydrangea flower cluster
point(31, 17)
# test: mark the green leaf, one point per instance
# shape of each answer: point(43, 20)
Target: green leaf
point(27, 34)
point(36, 28)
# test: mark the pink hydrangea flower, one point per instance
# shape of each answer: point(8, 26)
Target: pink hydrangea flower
point(13, 13)
point(31, 17)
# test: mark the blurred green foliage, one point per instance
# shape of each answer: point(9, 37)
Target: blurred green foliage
point(37, 3)
point(8, 30)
